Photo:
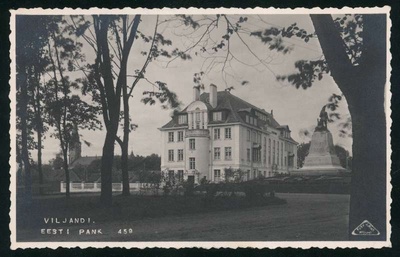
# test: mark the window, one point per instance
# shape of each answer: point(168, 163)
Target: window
point(255, 122)
point(251, 120)
point(265, 152)
point(182, 119)
point(170, 155)
point(259, 138)
point(254, 136)
point(180, 175)
point(273, 151)
point(217, 134)
point(192, 144)
point(197, 115)
point(269, 151)
point(256, 155)
point(248, 154)
point(180, 154)
point(170, 136)
point(228, 153)
point(192, 163)
point(228, 133)
point(217, 175)
point(171, 175)
point(217, 153)
point(247, 119)
point(217, 116)
point(277, 153)
point(191, 121)
point(180, 136)
point(248, 135)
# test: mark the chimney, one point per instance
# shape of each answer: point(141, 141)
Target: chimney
point(196, 93)
point(272, 113)
point(213, 95)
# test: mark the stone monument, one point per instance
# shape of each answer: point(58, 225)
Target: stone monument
point(322, 159)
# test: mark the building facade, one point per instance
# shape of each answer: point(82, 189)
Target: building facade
point(220, 131)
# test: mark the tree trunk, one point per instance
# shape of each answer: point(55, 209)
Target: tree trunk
point(368, 185)
point(106, 168)
point(125, 142)
point(39, 161)
point(39, 130)
point(67, 179)
point(363, 86)
point(124, 167)
point(24, 139)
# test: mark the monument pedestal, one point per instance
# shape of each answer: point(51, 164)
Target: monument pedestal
point(322, 159)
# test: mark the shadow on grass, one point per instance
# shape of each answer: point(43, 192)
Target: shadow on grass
point(133, 207)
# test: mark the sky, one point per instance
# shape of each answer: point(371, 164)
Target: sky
point(297, 108)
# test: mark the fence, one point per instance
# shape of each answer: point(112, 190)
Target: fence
point(96, 187)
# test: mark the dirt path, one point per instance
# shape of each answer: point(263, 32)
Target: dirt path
point(305, 217)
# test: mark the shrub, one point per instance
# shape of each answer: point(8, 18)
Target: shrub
point(253, 190)
point(211, 191)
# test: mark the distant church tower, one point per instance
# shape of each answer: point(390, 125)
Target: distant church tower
point(75, 148)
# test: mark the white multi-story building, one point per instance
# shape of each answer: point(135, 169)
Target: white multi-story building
point(218, 130)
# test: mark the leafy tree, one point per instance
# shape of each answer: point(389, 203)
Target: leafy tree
point(354, 54)
point(234, 175)
point(112, 42)
point(66, 110)
point(57, 162)
point(345, 159)
point(354, 48)
point(31, 38)
point(302, 152)
point(343, 154)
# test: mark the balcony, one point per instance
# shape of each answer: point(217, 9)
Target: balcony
point(197, 133)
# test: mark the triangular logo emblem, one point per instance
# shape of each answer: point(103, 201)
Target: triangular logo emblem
point(365, 229)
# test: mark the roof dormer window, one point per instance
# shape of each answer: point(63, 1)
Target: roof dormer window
point(182, 119)
point(217, 116)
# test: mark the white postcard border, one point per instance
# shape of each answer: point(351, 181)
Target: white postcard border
point(190, 244)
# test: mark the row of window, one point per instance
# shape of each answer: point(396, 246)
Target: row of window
point(198, 116)
point(251, 120)
point(192, 160)
point(171, 156)
point(276, 154)
point(172, 176)
point(217, 135)
point(171, 136)
point(228, 153)
point(254, 137)
point(255, 156)
point(217, 153)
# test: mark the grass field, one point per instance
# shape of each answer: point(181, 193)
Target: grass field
point(304, 217)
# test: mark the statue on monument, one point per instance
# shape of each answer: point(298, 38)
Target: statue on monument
point(321, 159)
point(322, 122)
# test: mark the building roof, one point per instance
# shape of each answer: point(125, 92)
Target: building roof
point(59, 175)
point(84, 161)
point(230, 103)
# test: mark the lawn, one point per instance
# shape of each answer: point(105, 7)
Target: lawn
point(305, 217)
point(134, 207)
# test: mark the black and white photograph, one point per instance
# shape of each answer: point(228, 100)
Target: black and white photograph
point(200, 128)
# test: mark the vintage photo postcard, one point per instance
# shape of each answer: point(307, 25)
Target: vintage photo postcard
point(200, 128)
